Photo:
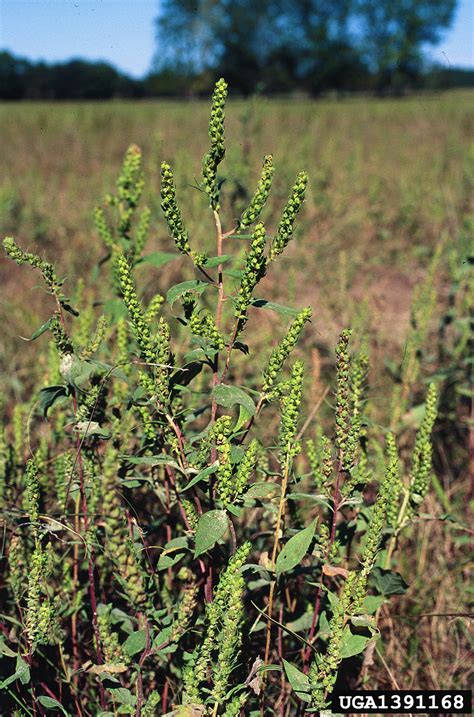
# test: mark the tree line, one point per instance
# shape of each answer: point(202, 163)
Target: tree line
point(270, 46)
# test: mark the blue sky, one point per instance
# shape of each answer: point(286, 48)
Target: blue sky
point(121, 32)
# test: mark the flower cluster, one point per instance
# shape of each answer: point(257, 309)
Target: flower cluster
point(290, 412)
point(323, 671)
point(422, 452)
point(257, 203)
point(281, 352)
point(171, 210)
point(216, 153)
point(343, 402)
point(221, 644)
point(290, 212)
point(203, 324)
point(252, 273)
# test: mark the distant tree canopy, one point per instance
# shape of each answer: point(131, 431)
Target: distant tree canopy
point(75, 79)
point(271, 46)
point(314, 45)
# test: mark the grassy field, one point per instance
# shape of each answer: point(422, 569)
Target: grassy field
point(388, 215)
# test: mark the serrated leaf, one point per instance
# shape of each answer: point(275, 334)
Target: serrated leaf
point(229, 396)
point(295, 549)
point(388, 582)
point(298, 680)
point(135, 643)
point(158, 258)
point(195, 285)
point(210, 528)
point(352, 644)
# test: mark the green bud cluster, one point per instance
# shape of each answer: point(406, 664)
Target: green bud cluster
point(140, 327)
point(220, 647)
point(377, 521)
point(281, 352)
point(422, 453)
point(129, 188)
point(23, 257)
point(246, 468)
point(323, 539)
point(257, 203)
point(102, 228)
point(224, 483)
point(253, 272)
point(163, 359)
point(191, 514)
point(203, 324)
point(186, 607)
point(63, 473)
point(396, 486)
point(40, 616)
point(142, 232)
point(171, 210)
point(235, 707)
point(97, 339)
point(323, 671)
point(358, 375)
point(18, 421)
point(150, 707)
point(61, 340)
point(319, 455)
point(217, 151)
point(290, 412)
point(290, 212)
point(343, 407)
point(220, 428)
point(18, 570)
point(32, 494)
point(117, 539)
point(109, 639)
point(154, 307)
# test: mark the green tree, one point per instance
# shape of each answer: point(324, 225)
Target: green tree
point(396, 32)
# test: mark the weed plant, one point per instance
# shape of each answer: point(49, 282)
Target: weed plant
point(181, 541)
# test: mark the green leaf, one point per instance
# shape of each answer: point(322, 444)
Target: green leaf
point(200, 476)
point(295, 549)
point(372, 603)
point(352, 644)
point(196, 285)
point(39, 331)
point(229, 396)
point(135, 643)
point(115, 308)
point(216, 260)
point(51, 703)
point(388, 582)
point(158, 258)
point(4, 649)
point(210, 528)
point(298, 680)
point(123, 696)
point(49, 395)
point(22, 673)
point(279, 308)
point(244, 417)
